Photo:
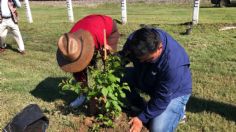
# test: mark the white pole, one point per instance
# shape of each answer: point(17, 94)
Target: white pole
point(28, 12)
point(123, 12)
point(196, 11)
point(70, 10)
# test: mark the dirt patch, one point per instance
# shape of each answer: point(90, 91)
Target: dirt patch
point(121, 124)
point(86, 122)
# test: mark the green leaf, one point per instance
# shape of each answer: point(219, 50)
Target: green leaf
point(92, 94)
point(104, 92)
point(112, 78)
point(112, 96)
point(71, 80)
point(122, 95)
point(77, 91)
point(108, 104)
point(115, 104)
point(65, 87)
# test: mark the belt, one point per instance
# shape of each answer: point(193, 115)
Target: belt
point(6, 17)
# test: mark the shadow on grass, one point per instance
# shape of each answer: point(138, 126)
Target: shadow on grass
point(186, 32)
point(212, 6)
point(49, 91)
point(118, 21)
point(156, 25)
point(225, 110)
point(11, 48)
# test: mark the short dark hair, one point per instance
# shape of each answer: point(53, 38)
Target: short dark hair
point(144, 41)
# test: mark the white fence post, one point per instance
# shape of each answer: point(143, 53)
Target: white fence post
point(70, 10)
point(28, 12)
point(123, 12)
point(196, 11)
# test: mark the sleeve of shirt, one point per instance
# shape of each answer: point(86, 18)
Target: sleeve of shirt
point(17, 3)
point(162, 94)
point(113, 37)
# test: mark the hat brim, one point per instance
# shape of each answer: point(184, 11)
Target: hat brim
point(86, 54)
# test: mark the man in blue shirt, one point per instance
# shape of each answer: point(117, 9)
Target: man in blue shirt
point(160, 69)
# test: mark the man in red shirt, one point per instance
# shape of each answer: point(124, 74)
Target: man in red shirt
point(76, 48)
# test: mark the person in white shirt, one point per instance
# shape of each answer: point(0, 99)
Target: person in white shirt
point(9, 23)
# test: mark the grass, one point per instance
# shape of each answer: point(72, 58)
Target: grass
point(34, 77)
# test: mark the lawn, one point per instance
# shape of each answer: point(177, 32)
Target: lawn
point(34, 77)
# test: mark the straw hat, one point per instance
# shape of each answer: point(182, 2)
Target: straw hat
point(75, 51)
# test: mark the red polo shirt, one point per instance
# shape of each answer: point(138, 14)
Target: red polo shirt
point(95, 24)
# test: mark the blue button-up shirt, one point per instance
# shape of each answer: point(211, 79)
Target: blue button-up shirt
point(164, 79)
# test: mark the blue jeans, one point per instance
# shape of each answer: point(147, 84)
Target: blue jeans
point(169, 119)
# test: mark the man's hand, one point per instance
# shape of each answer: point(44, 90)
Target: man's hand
point(136, 124)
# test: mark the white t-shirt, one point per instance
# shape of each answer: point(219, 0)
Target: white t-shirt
point(5, 9)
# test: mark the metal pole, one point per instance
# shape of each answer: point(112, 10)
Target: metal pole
point(70, 10)
point(123, 12)
point(196, 11)
point(28, 12)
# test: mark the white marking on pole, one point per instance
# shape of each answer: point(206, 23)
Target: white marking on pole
point(123, 12)
point(196, 11)
point(28, 12)
point(70, 10)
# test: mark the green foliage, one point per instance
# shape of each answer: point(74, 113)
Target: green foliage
point(105, 120)
point(95, 128)
point(106, 88)
point(107, 85)
point(71, 84)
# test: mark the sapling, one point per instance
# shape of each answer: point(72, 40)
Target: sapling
point(105, 93)
point(107, 87)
